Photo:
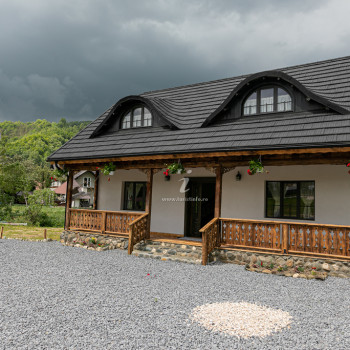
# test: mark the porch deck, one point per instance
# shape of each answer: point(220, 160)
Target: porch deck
point(316, 240)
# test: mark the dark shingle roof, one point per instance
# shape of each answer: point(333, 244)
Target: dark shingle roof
point(188, 107)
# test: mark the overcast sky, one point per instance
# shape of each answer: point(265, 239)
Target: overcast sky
point(76, 58)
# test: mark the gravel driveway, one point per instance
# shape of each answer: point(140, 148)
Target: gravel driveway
point(58, 297)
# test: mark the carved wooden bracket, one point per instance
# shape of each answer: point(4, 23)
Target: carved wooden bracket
point(224, 169)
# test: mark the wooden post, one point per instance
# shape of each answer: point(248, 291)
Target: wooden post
point(45, 233)
point(69, 198)
point(218, 196)
point(204, 248)
point(2, 231)
point(131, 239)
point(148, 207)
point(97, 177)
point(218, 192)
point(285, 238)
point(104, 221)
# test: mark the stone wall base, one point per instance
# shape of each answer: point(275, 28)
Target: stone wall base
point(325, 265)
point(92, 241)
point(184, 252)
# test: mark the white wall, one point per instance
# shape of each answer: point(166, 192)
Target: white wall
point(246, 198)
point(110, 193)
point(167, 216)
point(240, 199)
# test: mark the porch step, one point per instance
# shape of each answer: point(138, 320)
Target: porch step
point(169, 251)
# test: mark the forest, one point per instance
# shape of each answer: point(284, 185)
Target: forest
point(25, 175)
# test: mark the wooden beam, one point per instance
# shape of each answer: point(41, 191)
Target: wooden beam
point(218, 192)
point(183, 156)
point(69, 193)
point(148, 208)
point(97, 177)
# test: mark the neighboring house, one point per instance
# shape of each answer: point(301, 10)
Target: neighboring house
point(82, 190)
point(295, 120)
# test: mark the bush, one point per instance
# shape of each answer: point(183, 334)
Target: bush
point(34, 213)
point(5, 206)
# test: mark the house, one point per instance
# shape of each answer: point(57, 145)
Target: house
point(82, 189)
point(291, 126)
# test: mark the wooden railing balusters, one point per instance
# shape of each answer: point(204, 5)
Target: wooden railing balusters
point(138, 231)
point(211, 238)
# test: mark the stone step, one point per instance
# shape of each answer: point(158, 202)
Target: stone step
point(163, 257)
point(178, 250)
point(169, 251)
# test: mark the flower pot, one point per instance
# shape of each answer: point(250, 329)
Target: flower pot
point(167, 177)
point(179, 171)
point(111, 173)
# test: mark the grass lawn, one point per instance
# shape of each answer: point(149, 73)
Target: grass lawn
point(30, 232)
point(55, 214)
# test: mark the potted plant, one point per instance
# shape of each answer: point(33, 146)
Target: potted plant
point(348, 165)
point(255, 166)
point(176, 168)
point(108, 169)
point(167, 176)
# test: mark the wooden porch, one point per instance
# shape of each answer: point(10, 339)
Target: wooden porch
point(282, 237)
point(315, 240)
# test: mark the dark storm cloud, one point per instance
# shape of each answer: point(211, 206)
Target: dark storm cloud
point(74, 59)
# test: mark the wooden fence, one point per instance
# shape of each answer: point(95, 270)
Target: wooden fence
point(101, 221)
point(276, 236)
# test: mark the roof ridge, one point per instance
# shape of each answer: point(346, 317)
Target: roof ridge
point(245, 75)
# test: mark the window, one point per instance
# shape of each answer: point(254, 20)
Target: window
point(290, 199)
point(267, 100)
point(87, 182)
point(135, 196)
point(136, 118)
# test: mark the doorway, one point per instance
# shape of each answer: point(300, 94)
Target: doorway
point(200, 204)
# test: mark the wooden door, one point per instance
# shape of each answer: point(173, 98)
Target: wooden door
point(200, 205)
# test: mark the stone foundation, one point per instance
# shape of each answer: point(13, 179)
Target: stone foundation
point(93, 241)
point(331, 267)
point(193, 254)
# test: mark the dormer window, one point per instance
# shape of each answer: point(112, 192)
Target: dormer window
point(267, 100)
point(136, 118)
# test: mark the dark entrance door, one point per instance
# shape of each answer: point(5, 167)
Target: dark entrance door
point(200, 204)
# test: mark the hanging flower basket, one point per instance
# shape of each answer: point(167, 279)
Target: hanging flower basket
point(166, 175)
point(108, 169)
point(256, 167)
point(176, 168)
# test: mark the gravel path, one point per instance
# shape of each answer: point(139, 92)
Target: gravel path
point(57, 297)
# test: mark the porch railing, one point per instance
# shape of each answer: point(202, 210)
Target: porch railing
point(139, 230)
point(210, 238)
point(277, 237)
point(102, 221)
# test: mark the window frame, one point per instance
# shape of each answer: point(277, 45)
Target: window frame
point(275, 88)
point(298, 182)
point(88, 182)
point(126, 183)
point(131, 111)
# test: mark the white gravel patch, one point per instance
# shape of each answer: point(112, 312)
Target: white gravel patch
point(241, 319)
